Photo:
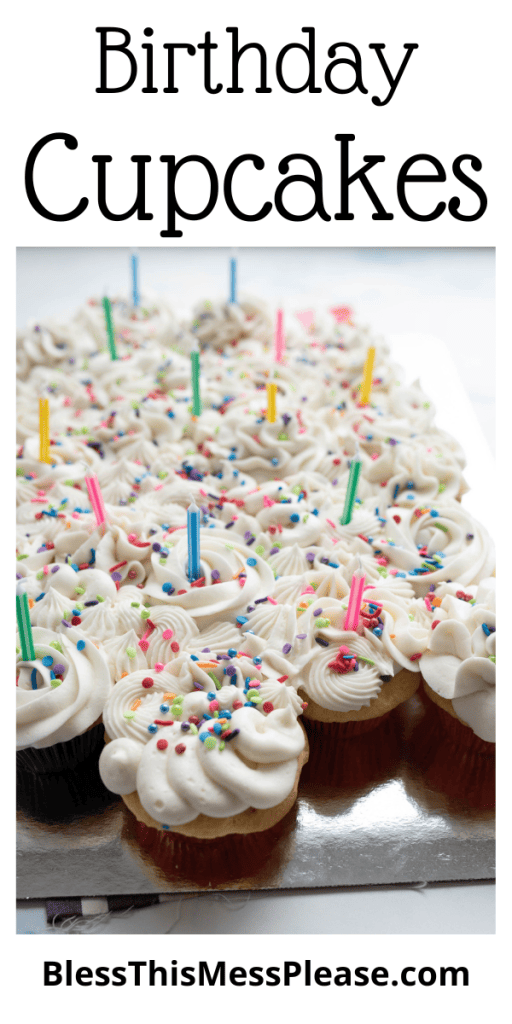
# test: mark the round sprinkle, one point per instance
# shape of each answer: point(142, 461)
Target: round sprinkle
point(152, 728)
point(215, 574)
point(180, 748)
point(48, 660)
point(147, 682)
point(287, 648)
point(162, 744)
point(80, 645)
point(159, 667)
point(310, 556)
point(167, 634)
point(210, 742)
point(295, 517)
point(251, 561)
point(175, 646)
point(268, 707)
point(164, 708)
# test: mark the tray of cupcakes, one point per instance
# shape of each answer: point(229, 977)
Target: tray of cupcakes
point(256, 622)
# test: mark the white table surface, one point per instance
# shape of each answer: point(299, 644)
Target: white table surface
point(405, 294)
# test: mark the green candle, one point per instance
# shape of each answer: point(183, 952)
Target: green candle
point(353, 477)
point(110, 328)
point(25, 628)
point(196, 397)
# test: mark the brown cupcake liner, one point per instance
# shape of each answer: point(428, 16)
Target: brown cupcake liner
point(449, 760)
point(342, 758)
point(232, 860)
point(458, 733)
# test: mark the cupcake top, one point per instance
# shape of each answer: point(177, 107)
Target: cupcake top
point(202, 737)
point(231, 575)
point(431, 545)
point(62, 692)
point(346, 675)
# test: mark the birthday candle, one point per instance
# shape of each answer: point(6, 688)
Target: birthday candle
point(355, 601)
point(196, 395)
point(232, 274)
point(350, 497)
point(24, 626)
point(366, 386)
point(96, 498)
point(279, 338)
point(193, 517)
point(110, 327)
point(271, 402)
point(44, 430)
point(135, 279)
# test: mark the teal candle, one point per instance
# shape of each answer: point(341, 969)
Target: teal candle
point(193, 520)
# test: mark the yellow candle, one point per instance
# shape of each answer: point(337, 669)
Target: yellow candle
point(271, 402)
point(366, 386)
point(44, 430)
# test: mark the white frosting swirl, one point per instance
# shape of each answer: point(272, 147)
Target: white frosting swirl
point(54, 710)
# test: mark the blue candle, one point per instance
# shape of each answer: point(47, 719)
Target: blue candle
point(193, 516)
point(232, 295)
point(135, 279)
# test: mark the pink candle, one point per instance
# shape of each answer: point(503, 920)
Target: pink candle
point(96, 498)
point(355, 601)
point(279, 338)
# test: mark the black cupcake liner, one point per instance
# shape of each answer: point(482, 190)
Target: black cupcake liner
point(61, 756)
point(53, 797)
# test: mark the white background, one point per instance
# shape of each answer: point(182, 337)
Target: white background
point(451, 100)
point(440, 108)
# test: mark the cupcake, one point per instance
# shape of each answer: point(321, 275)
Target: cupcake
point(60, 697)
point(354, 679)
point(456, 746)
point(459, 667)
point(204, 749)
